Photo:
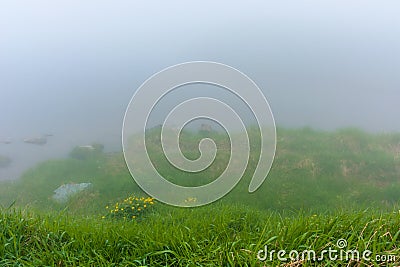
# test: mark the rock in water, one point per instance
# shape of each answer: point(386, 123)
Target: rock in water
point(36, 140)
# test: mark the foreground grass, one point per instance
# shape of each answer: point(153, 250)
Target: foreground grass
point(217, 235)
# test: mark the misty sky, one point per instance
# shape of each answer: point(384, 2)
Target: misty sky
point(70, 67)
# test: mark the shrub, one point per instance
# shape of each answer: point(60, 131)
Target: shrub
point(86, 152)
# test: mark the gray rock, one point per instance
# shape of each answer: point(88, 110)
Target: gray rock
point(64, 192)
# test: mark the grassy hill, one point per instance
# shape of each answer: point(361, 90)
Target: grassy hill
point(313, 170)
point(323, 186)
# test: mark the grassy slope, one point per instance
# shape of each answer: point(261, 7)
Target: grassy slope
point(314, 172)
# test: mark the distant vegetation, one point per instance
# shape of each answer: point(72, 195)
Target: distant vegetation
point(323, 186)
point(4, 161)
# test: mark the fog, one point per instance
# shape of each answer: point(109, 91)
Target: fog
point(69, 68)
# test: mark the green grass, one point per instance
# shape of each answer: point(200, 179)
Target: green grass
point(216, 235)
point(323, 186)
